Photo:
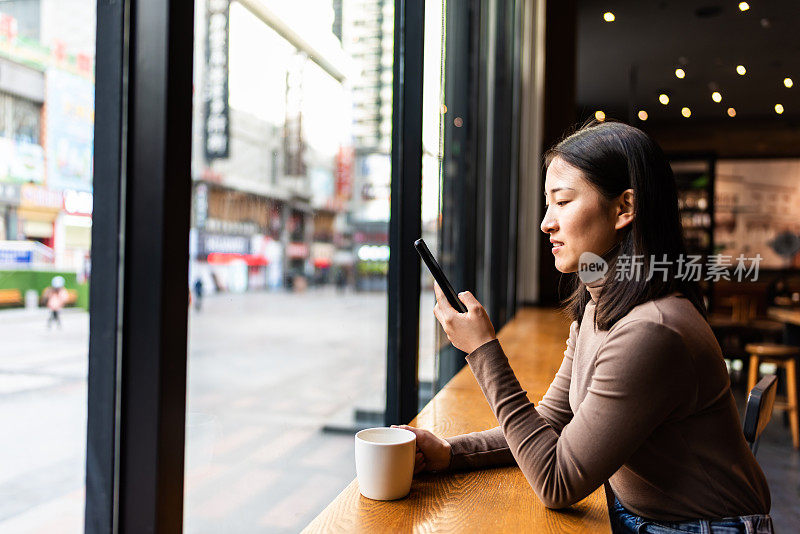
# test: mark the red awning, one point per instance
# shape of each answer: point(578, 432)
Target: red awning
point(256, 261)
point(223, 258)
point(322, 263)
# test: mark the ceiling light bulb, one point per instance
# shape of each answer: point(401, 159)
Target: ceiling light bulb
point(642, 115)
point(716, 97)
point(608, 16)
point(600, 115)
point(788, 82)
point(686, 112)
point(778, 108)
point(680, 73)
point(663, 98)
point(741, 70)
point(731, 112)
point(744, 6)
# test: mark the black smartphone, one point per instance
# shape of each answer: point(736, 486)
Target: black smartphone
point(439, 276)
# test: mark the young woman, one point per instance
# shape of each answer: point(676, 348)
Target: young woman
point(642, 399)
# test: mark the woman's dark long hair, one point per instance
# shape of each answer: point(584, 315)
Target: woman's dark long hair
point(613, 157)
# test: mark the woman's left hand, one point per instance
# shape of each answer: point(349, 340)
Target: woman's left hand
point(466, 331)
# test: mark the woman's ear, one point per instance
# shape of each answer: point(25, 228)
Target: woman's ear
point(624, 208)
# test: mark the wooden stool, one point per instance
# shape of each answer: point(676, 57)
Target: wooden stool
point(782, 356)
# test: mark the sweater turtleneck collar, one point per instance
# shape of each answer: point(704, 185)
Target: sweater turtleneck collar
point(596, 287)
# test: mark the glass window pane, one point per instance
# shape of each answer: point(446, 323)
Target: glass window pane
point(289, 255)
point(46, 141)
point(26, 121)
point(433, 114)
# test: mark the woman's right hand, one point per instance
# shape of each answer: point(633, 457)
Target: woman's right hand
point(433, 453)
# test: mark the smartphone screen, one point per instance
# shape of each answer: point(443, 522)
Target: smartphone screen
point(438, 275)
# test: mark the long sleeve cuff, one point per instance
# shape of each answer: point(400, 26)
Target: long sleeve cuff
point(479, 449)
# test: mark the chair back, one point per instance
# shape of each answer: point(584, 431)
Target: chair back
point(743, 307)
point(759, 409)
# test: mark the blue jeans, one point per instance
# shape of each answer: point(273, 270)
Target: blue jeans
point(624, 521)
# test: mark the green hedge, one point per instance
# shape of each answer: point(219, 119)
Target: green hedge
point(39, 280)
point(368, 268)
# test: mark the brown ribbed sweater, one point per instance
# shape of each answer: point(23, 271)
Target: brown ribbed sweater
point(646, 406)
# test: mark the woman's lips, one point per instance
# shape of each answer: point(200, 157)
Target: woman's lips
point(556, 247)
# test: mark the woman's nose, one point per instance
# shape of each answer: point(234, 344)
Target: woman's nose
point(548, 223)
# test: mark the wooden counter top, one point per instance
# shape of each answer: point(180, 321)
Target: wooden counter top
point(786, 315)
point(489, 500)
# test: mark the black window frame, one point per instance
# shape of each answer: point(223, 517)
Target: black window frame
point(140, 250)
point(405, 220)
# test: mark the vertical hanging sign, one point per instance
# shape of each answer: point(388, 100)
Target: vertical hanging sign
point(217, 120)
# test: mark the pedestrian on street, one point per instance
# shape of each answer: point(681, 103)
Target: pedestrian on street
point(55, 297)
point(341, 279)
point(198, 293)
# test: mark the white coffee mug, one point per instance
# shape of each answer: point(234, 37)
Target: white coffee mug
point(385, 462)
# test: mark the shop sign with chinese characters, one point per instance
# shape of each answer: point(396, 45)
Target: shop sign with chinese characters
point(222, 244)
point(34, 196)
point(217, 120)
point(296, 251)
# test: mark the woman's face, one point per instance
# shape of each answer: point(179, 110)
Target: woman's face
point(578, 218)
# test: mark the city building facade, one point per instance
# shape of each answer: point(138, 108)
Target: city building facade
point(46, 135)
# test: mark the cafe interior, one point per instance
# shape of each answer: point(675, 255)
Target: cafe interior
point(711, 81)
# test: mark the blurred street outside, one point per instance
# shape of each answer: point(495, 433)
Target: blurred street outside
point(266, 372)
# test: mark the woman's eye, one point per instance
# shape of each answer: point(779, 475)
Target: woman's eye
point(561, 203)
